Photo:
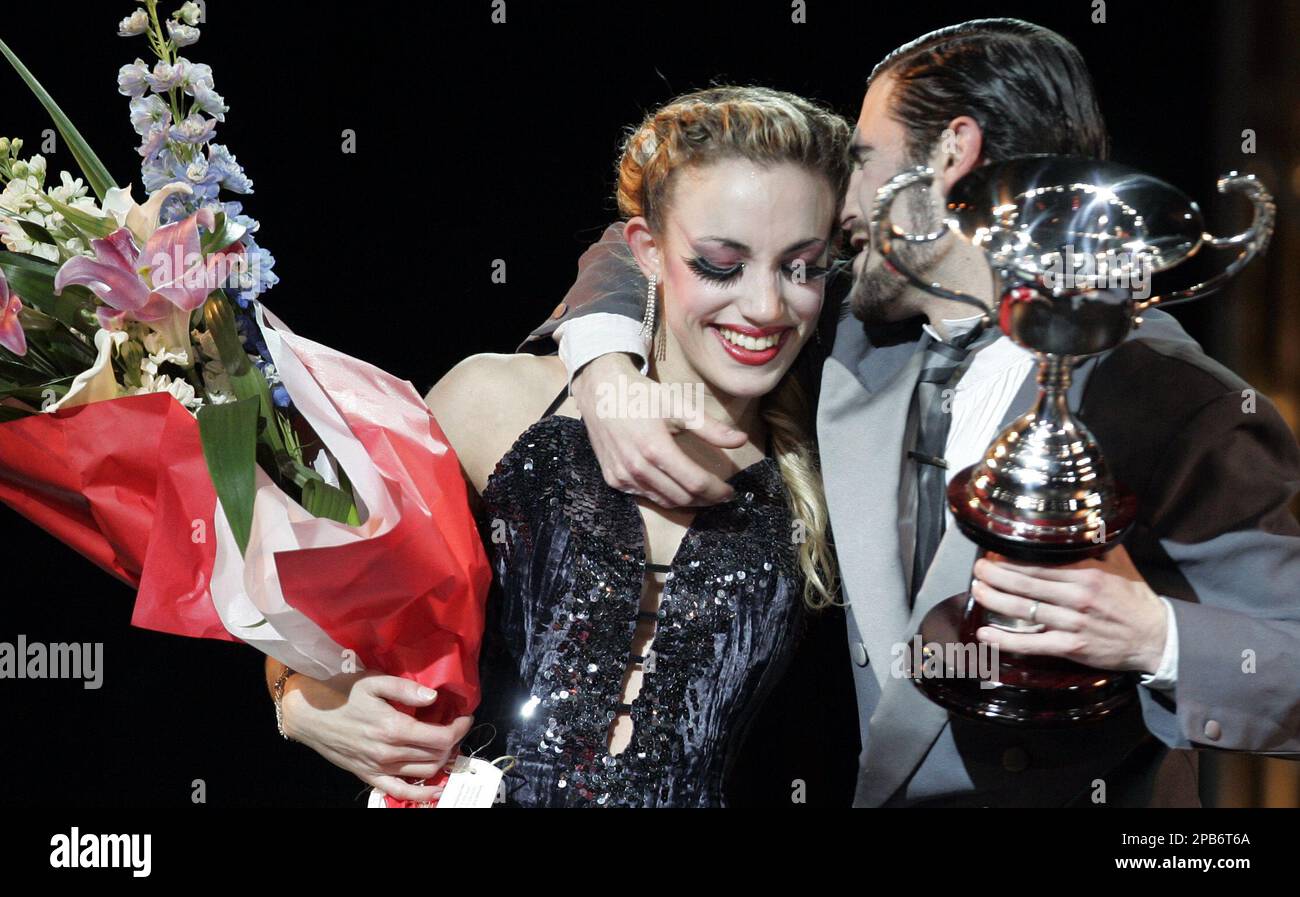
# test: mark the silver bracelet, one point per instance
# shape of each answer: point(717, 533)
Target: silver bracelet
point(277, 695)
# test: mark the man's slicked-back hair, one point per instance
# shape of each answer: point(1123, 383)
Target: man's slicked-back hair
point(1026, 85)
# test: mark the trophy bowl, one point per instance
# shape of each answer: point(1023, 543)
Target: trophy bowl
point(1072, 244)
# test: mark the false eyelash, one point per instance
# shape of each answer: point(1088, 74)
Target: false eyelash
point(712, 273)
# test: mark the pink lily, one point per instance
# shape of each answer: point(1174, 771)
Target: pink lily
point(11, 332)
point(160, 285)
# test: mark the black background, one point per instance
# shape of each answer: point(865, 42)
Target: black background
point(475, 142)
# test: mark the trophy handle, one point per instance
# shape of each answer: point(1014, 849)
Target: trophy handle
point(884, 231)
point(1253, 240)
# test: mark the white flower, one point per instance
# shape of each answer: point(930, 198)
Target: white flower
point(217, 383)
point(196, 73)
point(21, 194)
point(142, 220)
point(18, 242)
point(184, 393)
point(182, 35)
point(272, 375)
point(10, 241)
point(86, 204)
point(190, 13)
point(136, 23)
point(325, 466)
point(96, 383)
point(70, 188)
point(16, 239)
point(179, 388)
point(160, 351)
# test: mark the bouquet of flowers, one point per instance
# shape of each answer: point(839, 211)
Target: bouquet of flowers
point(157, 417)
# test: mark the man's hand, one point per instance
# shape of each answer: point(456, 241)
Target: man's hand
point(638, 454)
point(1099, 612)
point(350, 722)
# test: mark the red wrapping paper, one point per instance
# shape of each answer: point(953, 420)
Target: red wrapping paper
point(124, 483)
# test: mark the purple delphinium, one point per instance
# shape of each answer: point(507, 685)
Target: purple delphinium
point(175, 109)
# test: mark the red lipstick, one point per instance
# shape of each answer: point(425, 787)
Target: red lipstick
point(752, 356)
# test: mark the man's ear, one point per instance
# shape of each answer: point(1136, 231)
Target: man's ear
point(645, 248)
point(960, 150)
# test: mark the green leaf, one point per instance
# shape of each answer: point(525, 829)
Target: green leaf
point(245, 379)
point(229, 435)
point(32, 278)
point(28, 276)
point(97, 175)
point(220, 321)
point(323, 500)
point(8, 413)
point(225, 233)
point(88, 224)
point(75, 307)
point(35, 395)
point(36, 232)
point(16, 372)
point(74, 357)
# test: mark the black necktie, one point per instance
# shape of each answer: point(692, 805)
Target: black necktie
point(943, 366)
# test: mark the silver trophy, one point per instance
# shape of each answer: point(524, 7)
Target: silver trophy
point(1072, 244)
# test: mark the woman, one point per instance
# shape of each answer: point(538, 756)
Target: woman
point(628, 646)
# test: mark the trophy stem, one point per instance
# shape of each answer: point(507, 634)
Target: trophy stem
point(1054, 379)
point(1051, 408)
point(1043, 492)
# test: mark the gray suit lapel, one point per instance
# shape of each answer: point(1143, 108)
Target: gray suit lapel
point(906, 722)
point(860, 432)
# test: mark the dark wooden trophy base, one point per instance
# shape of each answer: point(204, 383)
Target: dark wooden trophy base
point(1027, 690)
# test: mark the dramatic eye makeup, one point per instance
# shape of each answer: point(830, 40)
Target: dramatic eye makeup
point(712, 272)
point(809, 252)
point(707, 271)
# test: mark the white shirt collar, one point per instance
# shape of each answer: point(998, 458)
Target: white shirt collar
point(955, 326)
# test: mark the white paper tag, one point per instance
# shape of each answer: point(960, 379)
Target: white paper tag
point(472, 784)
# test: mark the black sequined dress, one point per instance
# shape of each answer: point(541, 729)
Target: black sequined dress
point(568, 555)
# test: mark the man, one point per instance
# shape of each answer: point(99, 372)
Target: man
point(1203, 597)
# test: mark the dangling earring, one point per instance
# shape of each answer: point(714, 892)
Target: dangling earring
point(648, 320)
point(648, 330)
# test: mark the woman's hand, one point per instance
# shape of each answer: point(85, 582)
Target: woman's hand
point(349, 721)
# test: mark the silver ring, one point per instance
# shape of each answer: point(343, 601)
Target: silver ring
point(1033, 612)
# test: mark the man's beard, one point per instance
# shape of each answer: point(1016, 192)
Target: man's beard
point(874, 297)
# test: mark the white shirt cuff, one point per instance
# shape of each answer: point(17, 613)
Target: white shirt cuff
point(587, 337)
point(1166, 675)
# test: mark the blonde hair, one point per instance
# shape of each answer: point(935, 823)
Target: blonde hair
point(769, 127)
